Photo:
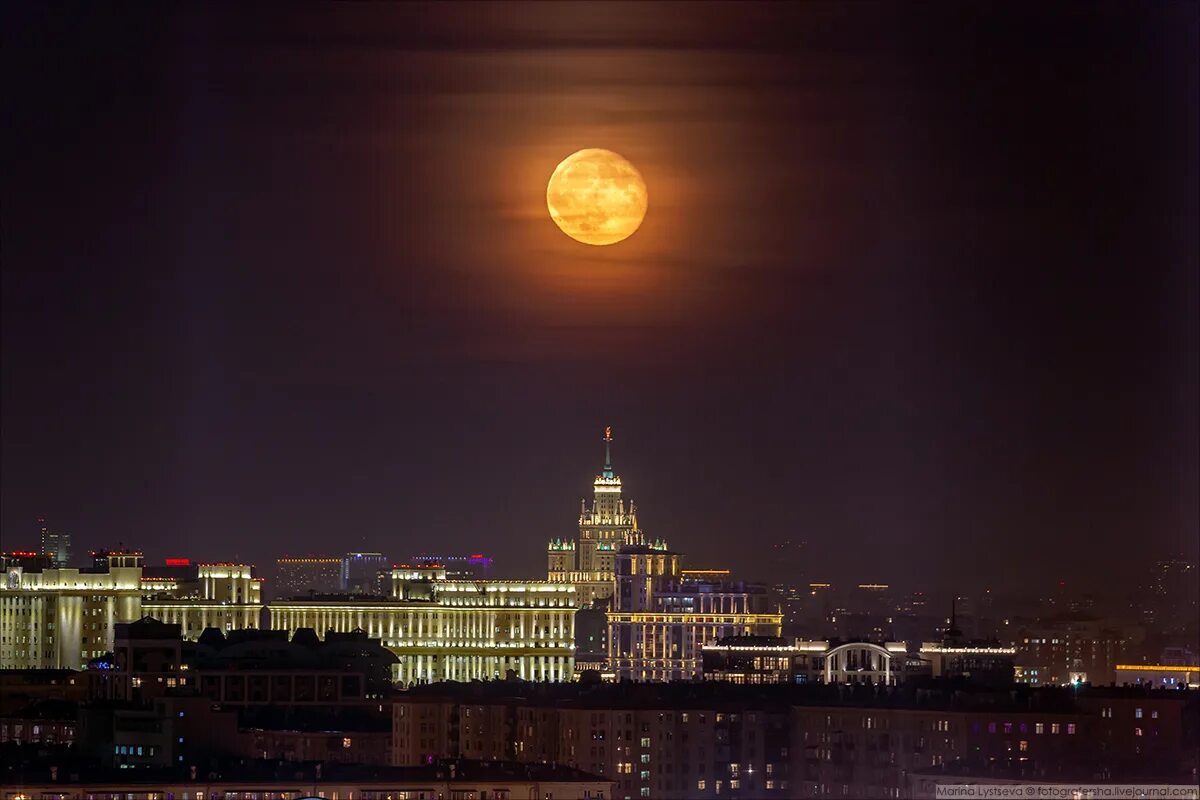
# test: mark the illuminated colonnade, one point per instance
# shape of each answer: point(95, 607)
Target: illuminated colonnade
point(467, 631)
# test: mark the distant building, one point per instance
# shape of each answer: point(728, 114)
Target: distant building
point(591, 636)
point(1159, 676)
point(452, 630)
point(55, 545)
point(984, 662)
point(754, 659)
point(61, 618)
point(856, 662)
point(196, 597)
point(607, 525)
point(295, 577)
point(473, 567)
point(360, 570)
point(1050, 651)
point(660, 623)
point(1171, 598)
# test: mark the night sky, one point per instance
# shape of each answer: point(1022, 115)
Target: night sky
point(918, 283)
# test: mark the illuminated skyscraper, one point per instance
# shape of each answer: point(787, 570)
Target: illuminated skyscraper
point(604, 528)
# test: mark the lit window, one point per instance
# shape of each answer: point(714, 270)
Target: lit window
point(1137, 713)
point(1137, 731)
point(700, 786)
point(1070, 727)
point(346, 742)
point(1039, 727)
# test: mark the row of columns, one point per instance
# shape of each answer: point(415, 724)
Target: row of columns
point(424, 668)
point(482, 626)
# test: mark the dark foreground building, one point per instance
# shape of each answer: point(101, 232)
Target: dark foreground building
point(718, 740)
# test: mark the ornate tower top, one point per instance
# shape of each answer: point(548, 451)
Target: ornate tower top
point(608, 470)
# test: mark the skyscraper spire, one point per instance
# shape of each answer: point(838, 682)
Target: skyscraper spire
point(608, 469)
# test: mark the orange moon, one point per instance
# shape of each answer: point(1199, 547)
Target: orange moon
point(596, 197)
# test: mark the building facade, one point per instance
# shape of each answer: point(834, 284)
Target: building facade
point(54, 545)
point(227, 597)
point(472, 567)
point(980, 662)
point(295, 577)
point(62, 618)
point(454, 630)
point(754, 659)
point(660, 623)
point(697, 741)
point(359, 572)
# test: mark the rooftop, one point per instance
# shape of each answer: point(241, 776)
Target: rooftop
point(309, 772)
point(956, 695)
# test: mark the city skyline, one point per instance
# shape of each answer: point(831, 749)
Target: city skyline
point(794, 565)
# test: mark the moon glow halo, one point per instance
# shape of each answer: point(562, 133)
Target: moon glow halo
point(597, 197)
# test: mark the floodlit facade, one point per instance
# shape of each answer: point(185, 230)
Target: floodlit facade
point(63, 618)
point(454, 630)
point(223, 596)
point(660, 623)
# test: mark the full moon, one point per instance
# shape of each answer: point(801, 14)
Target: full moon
point(596, 197)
